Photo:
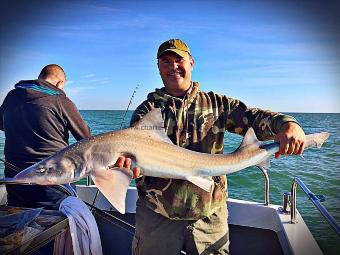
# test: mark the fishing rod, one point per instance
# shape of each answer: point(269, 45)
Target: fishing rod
point(112, 217)
point(127, 109)
point(11, 166)
point(121, 126)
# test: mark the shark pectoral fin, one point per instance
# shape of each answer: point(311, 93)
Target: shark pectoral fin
point(204, 183)
point(114, 184)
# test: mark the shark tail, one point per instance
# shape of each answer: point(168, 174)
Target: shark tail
point(316, 139)
point(114, 183)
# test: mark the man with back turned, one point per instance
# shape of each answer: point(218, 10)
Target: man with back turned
point(37, 117)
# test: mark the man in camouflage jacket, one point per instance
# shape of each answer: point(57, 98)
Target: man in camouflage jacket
point(174, 215)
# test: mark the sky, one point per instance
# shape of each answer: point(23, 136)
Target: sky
point(277, 55)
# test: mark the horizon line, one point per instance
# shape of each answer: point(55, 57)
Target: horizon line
point(275, 111)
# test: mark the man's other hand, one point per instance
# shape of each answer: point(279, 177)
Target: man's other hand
point(292, 140)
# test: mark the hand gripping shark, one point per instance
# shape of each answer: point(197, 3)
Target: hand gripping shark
point(153, 152)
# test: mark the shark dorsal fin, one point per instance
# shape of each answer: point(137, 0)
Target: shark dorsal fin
point(249, 138)
point(153, 124)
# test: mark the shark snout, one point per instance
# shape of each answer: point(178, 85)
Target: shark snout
point(48, 172)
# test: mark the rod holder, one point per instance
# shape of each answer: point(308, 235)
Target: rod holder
point(286, 204)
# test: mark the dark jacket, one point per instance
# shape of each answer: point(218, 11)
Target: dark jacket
point(37, 118)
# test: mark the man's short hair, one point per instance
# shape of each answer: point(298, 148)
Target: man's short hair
point(52, 70)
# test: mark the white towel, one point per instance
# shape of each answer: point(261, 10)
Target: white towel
point(83, 227)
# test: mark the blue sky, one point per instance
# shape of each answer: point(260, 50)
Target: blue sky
point(277, 55)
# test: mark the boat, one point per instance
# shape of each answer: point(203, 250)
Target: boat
point(264, 227)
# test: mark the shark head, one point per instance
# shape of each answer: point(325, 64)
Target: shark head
point(51, 171)
point(66, 166)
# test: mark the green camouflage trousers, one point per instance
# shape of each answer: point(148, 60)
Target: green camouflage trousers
point(156, 234)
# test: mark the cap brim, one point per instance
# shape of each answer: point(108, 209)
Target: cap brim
point(181, 53)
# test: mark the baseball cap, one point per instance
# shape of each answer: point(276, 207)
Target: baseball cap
point(174, 45)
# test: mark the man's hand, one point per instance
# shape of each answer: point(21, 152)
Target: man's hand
point(291, 138)
point(123, 162)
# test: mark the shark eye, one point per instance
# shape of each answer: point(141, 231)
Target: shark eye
point(40, 170)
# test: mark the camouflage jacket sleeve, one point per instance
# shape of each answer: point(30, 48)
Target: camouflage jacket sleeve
point(266, 124)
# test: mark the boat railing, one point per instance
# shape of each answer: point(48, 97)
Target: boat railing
point(316, 200)
point(88, 180)
point(266, 186)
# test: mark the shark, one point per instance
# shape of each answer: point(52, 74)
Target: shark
point(150, 149)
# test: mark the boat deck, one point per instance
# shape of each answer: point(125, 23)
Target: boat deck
point(257, 240)
point(254, 227)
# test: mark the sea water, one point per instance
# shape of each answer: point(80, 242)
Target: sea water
point(319, 170)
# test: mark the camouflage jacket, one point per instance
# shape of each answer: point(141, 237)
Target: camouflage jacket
point(197, 122)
